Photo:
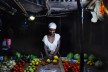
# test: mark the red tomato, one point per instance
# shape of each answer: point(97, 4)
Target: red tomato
point(78, 67)
point(64, 64)
point(14, 71)
point(66, 70)
point(16, 65)
point(69, 66)
point(19, 62)
point(21, 66)
point(77, 71)
point(65, 67)
point(23, 61)
point(67, 63)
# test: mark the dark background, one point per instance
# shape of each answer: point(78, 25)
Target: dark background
point(27, 38)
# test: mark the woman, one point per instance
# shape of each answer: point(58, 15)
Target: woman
point(51, 41)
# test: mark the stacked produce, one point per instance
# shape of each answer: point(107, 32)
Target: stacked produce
point(75, 67)
point(78, 62)
point(34, 62)
point(68, 63)
point(10, 63)
point(7, 65)
point(29, 63)
point(43, 63)
point(67, 66)
point(54, 60)
point(32, 65)
point(19, 66)
point(91, 60)
point(99, 63)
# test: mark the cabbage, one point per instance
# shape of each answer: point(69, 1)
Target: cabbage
point(91, 57)
point(77, 56)
point(98, 64)
point(70, 56)
point(85, 56)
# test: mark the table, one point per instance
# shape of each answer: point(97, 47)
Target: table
point(51, 67)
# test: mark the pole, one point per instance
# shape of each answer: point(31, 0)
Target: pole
point(81, 10)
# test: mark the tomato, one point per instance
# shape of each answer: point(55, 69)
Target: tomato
point(66, 70)
point(69, 66)
point(78, 67)
point(16, 65)
point(19, 62)
point(67, 63)
point(21, 66)
point(64, 64)
point(16, 69)
point(77, 71)
point(72, 66)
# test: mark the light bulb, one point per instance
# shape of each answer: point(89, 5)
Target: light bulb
point(32, 18)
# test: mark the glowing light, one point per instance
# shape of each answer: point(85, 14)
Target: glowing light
point(31, 18)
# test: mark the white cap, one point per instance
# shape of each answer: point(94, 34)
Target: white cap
point(52, 25)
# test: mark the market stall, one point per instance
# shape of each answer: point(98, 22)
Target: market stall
point(83, 30)
point(31, 63)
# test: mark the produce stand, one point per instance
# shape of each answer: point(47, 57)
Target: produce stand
point(31, 63)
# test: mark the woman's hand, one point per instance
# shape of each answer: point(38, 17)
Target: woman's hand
point(52, 52)
point(50, 56)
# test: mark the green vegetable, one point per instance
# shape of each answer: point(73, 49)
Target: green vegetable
point(18, 54)
point(91, 57)
point(99, 64)
point(32, 57)
point(85, 56)
point(70, 56)
point(77, 56)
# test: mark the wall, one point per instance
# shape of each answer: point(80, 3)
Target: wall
point(29, 40)
point(96, 38)
point(27, 37)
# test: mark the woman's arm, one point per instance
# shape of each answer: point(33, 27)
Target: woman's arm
point(46, 50)
point(57, 49)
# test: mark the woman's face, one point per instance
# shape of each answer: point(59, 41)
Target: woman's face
point(52, 31)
